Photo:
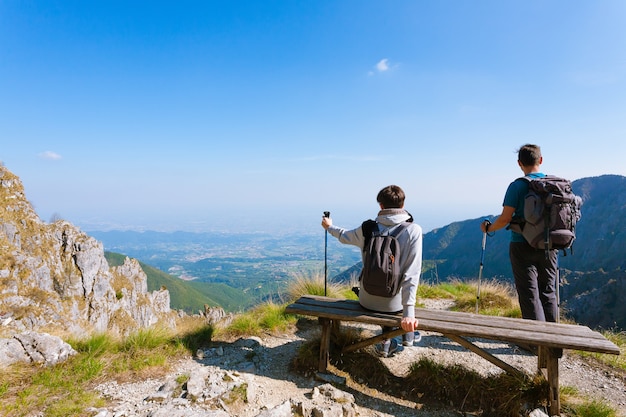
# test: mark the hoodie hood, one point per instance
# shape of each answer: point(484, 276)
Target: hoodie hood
point(392, 217)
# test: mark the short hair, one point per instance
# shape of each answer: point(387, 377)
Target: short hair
point(529, 155)
point(391, 196)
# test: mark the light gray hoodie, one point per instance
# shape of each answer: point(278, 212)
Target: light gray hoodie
point(410, 261)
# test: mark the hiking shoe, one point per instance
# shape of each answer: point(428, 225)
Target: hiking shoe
point(387, 348)
point(411, 338)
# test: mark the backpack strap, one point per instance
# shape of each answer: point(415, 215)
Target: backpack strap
point(517, 223)
point(369, 227)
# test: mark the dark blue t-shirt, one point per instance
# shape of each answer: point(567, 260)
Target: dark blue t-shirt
point(514, 197)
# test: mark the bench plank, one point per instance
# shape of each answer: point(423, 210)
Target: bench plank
point(468, 318)
point(554, 335)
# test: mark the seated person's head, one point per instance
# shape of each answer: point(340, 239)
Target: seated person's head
point(390, 197)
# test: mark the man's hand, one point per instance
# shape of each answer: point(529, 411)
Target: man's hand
point(409, 324)
point(326, 222)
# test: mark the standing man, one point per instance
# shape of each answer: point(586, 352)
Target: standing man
point(390, 216)
point(535, 273)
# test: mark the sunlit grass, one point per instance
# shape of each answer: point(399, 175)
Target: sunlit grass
point(65, 389)
point(589, 408)
point(619, 339)
point(94, 345)
point(614, 361)
point(150, 339)
point(314, 283)
point(60, 390)
point(272, 317)
point(576, 405)
point(495, 298)
point(595, 408)
point(434, 291)
point(268, 317)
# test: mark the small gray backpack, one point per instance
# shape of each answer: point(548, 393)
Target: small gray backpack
point(381, 273)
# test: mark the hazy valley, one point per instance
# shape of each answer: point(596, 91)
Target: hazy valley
point(256, 266)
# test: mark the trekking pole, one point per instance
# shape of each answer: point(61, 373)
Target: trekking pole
point(558, 285)
point(326, 214)
point(482, 260)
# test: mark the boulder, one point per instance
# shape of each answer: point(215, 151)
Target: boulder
point(36, 348)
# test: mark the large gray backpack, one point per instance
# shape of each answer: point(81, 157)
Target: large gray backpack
point(381, 273)
point(551, 211)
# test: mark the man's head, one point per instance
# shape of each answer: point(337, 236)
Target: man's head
point(529, 156)
point(391, 196)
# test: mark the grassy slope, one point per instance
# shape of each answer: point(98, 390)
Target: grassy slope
point(185, 295)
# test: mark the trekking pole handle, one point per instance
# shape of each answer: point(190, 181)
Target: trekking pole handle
point(487, 223)
point(327, 214)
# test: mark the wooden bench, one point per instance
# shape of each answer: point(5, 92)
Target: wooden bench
point(550, 338)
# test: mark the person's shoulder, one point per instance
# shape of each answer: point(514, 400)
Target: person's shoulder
point(519, 183)
point(413, 228)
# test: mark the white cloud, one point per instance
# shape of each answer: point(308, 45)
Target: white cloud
point(49, 155)
point(383, 65)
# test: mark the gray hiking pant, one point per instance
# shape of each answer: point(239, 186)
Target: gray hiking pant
point(535, 281)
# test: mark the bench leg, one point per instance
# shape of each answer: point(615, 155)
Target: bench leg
point(548, 361)
point(324, 345)
point(553, 380)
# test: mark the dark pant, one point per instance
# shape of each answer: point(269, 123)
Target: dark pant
point(535, 281)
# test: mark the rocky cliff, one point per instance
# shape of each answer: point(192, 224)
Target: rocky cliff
point(55, 279)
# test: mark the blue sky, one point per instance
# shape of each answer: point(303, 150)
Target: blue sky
point(260, 115)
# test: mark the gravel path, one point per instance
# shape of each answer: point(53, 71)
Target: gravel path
point(276, 384)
